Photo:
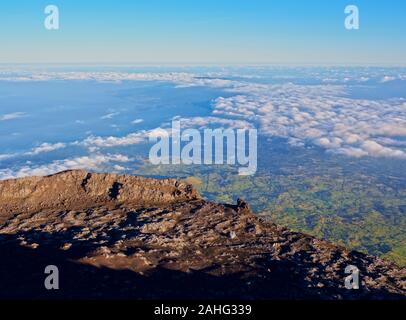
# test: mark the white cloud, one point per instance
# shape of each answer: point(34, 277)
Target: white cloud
point(92, 162)
point(7, 156)
point(387, 79)
point(94, 143)
point(375, 149)
point(110, 115)
point(137, 121)
point(119, 168)
point(107, 142)
point(12, 116)
point(46, 147)
point(204, 122)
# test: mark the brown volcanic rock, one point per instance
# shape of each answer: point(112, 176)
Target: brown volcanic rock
point(116, 236)
point(82, 188)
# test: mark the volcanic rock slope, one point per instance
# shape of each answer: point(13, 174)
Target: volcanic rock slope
point(123, 237)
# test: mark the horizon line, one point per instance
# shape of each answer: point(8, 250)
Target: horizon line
point(204, 64)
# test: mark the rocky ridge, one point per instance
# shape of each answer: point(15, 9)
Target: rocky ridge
point(120, 236)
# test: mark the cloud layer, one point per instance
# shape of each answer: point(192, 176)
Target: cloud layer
point(322, 115)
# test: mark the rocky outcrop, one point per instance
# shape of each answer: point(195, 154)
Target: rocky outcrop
point(115, 236)
point(82, 188)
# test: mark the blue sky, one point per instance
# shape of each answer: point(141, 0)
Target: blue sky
point(204, 32)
